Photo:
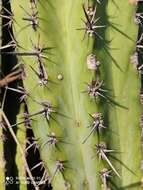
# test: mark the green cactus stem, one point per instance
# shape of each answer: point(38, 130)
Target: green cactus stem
point(81, 90)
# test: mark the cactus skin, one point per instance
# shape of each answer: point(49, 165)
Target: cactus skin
point(74, 106)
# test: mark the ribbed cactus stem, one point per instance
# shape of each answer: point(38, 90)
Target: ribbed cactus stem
point(81, 91)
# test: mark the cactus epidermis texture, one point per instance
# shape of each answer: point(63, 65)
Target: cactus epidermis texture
point(86, 108)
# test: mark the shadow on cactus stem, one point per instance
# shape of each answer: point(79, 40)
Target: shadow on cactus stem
point(129, 187)
point(106, 58)
point(106, 20)
point(121, 163)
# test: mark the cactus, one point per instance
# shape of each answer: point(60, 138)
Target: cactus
point(82, 72)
